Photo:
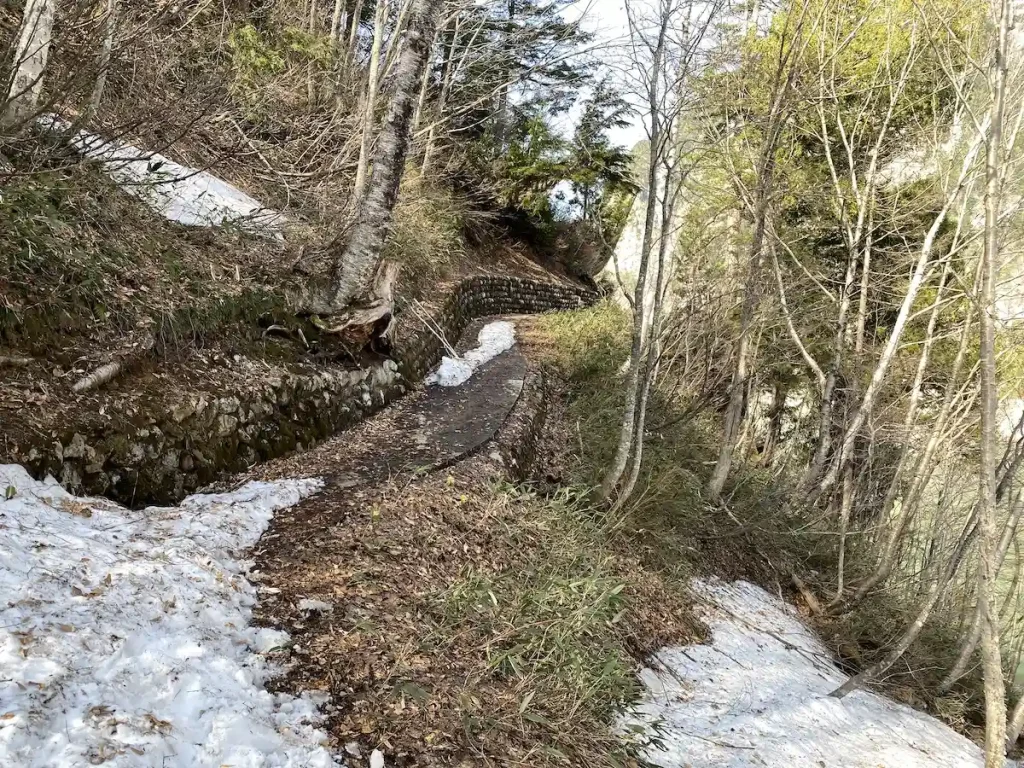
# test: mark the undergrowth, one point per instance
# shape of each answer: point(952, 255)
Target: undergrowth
point(78, 257)
point(669, 516)
point(559, 631)
point(763, 537)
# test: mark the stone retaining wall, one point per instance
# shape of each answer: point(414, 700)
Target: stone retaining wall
point(481, 296)
point(167, 454)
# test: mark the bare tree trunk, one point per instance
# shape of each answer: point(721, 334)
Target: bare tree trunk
point(391, 56)
point(310, 67)
point(991, 653)
point(845, 510)
point(917, 280)
point(935, 591)
point(783, 78)
point(865, 281)
point(370, 100)
point(652, 359)
point(30, 56)
point(421, 100)
point(828, 396)
point(337, 22)
point(907, 510)
point(919, 479)
point(353, 33)
point(734, 410)
point(448, 72)
point(1016, 724)
point(762, 196)
point(640, 329)
point(103, 60)
point(362, 254)
point(974, 636)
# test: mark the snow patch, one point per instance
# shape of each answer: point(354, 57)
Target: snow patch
point(493, 339)
point(757, 696)
point(125, 637)
point(186, 195)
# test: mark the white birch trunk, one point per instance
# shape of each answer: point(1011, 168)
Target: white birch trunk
point(30, 56)
point(103, 59)
point(370, 101)
point(991, 653)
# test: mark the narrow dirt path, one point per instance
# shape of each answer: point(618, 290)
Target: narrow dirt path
point(428, 430)
point(362, 562)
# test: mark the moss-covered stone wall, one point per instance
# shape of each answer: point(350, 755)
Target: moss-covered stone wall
point(167, 454)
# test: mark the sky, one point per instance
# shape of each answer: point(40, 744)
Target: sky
point(607, 20)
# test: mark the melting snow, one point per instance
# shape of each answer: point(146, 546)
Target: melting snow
point(757, 696)
point(182, 194)
point(125, 637)
point(493, 339)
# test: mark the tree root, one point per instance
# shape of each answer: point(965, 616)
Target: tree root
point(372, 322)
point(812, 602)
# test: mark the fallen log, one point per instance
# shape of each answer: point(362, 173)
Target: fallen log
point(110, 371)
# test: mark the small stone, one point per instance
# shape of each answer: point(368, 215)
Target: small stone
point(226, 425)
point(228, 405)
point(76, 448)
point(182, 411)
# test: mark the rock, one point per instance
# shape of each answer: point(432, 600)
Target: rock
point(183, 411)
point(171, 460)
point(226, 425)
point(228, 405)
point(76, 448)
point(70, 478)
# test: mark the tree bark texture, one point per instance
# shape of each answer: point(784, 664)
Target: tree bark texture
point(362, 254)
point(30, 56)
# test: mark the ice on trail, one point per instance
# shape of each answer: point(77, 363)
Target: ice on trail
point(125, 637)
point(493, 339)
point(757, 696)
point(186, 195)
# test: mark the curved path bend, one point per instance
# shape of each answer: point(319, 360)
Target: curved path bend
point(425, 431)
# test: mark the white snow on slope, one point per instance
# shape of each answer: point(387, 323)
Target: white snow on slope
point(125, 637)
point(757, 696)
point(179, 193)
point(493, 339)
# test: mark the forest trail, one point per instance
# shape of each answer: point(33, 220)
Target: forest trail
point(429, 429)
point(755, 696)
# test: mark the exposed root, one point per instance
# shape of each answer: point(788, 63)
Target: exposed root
point(374, 321)
point(282, 330)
